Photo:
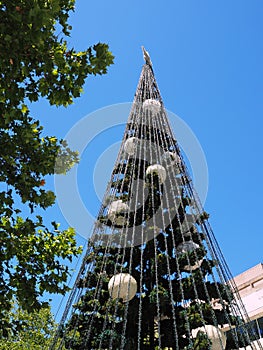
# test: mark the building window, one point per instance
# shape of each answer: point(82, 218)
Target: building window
point(254, 329)
point(260, 326)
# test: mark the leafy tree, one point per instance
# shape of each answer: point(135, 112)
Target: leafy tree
point(36, 62)
point(34, 330)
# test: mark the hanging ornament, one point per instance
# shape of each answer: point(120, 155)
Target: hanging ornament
point(117, 212)
point(158, 170)
point(122, 285)
point(213, 333)
point(186, 304)
point(170, 159)
point(189, 247)
point(218, 304)
point(151, 105)
point(131, 145)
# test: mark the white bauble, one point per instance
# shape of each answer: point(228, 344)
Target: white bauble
point(130, 145)
point(151, 105)
point(186, 304)
point(218, 304)
point(188, 247)
point(170, 158)
point(157, 169)
point(122, 285)
point(215, 334)
point(116, 212)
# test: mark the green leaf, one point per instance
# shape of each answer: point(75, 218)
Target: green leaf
point(24, 108)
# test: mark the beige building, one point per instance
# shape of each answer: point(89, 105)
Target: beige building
point(250, 287)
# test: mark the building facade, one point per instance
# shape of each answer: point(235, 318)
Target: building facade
point(250, 287)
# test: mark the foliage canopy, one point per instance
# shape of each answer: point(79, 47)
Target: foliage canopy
point(33, 330)
point(36, 62)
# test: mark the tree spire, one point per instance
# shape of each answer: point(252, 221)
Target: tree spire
point(146, 56)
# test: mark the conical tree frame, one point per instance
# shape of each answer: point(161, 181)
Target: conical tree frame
point(153, 276)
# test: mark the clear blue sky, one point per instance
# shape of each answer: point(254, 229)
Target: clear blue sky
point(207, 58)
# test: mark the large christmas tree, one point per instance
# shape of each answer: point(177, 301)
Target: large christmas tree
point(153, 276)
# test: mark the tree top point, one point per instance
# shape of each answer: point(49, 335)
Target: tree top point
point(146, 57)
